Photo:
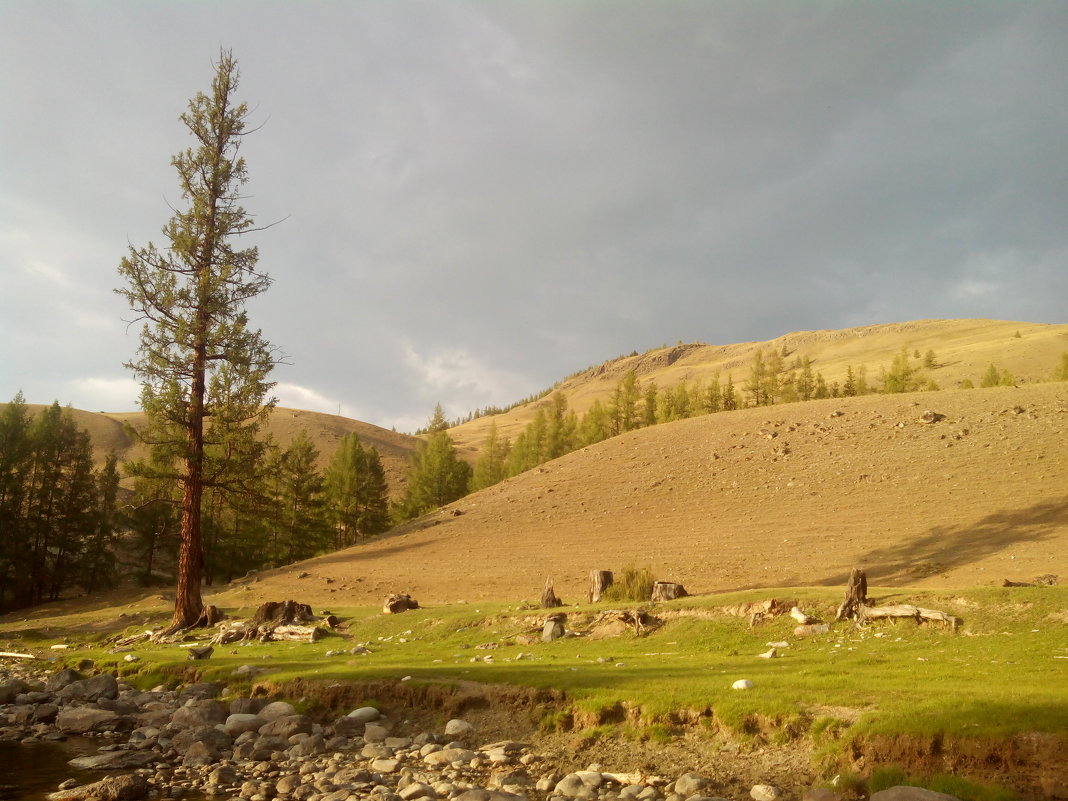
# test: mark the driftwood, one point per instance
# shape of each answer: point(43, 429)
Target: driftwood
point(866, 613)
point(273, 621)
point(667, 591)
point(600, 580)
point(14, 655)
point(1047, 580)
point(399, 602)
point(548, 596)
point(856, 595)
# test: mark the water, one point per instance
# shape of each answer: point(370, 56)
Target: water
point(30, 772)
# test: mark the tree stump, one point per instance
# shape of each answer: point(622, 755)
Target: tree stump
point(600, 580)
point(209, 618)
point(856, 595)
point(667, 591)
point(548, 596)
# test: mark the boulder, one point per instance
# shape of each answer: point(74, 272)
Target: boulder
point(239, 723)
point(373, 733)
point(102, 685)
point(287, 726)
point(200, 691)
point(458, 728)
point(277, 709)
point(204, 712)
point(690, 784)
point(114, 760)
point(247, 706)
point(9, 689)
point(447, 756)
point(61, 678)
point(214, 738)
point(479, 794)
point(365, 714)
point(765, 792)
point(112, 788)
point(82, 719)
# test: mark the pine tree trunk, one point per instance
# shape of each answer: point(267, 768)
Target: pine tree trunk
point(188, 603)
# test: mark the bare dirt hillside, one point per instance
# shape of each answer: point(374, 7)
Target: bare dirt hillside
point(774, 496)
point(963, 349)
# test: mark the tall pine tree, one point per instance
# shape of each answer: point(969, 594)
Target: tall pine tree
point(199, 361)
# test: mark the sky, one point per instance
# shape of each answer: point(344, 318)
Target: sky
point(466, 202)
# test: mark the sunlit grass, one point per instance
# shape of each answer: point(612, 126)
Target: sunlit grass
point(1003, 672)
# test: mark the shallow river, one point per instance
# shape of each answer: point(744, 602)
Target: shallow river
point(31, 772)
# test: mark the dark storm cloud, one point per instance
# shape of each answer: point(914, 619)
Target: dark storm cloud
point(479, 198)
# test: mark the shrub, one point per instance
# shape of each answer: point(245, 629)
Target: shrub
point(632, 584)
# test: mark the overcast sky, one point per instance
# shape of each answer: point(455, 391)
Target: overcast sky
point(477, 199)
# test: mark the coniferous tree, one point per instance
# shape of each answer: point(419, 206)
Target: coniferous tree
point(560, 430)
point(596, 424)
point(300, 528)
point(491, 466)
point(758, 373)
point(649, 404)
point(900, 377)
point(806, 382)
point(624, 406)
point(98, 563)
point(730, 397)
point(357, 497)
point(849, 388)
point(991, 378)
point(436, 475)
point(199, 361)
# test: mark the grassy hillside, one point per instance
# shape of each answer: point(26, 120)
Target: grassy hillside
point(763, 497)
point(108, 431)
point(964, 349)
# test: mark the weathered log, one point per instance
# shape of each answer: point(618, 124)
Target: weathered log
point(600, 580)
point(399, 602)
point(14, 655)
point(903, 611)
point(294, 632)
point(1046, 580)
point(856, 595)
point(667, 591)
point(548, 596)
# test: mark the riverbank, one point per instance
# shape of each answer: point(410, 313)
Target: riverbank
point(194, 739)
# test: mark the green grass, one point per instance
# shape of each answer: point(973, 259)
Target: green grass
point(1001, 673)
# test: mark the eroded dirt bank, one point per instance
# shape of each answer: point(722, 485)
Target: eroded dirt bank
point(1032, 764)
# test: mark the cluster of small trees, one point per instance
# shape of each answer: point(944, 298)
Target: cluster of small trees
point(58, 513)
point(65, 523)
